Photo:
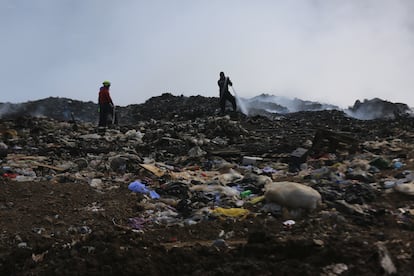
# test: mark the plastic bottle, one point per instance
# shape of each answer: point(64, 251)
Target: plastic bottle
point(398, 165)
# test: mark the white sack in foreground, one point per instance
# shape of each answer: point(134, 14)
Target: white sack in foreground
point(405, 188)
point(292, 195)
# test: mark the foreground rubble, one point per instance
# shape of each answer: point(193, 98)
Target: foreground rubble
point(185, 196)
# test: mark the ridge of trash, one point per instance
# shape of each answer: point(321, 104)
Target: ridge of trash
point(167, 106)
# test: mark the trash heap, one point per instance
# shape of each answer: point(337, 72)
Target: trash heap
point(302, 168)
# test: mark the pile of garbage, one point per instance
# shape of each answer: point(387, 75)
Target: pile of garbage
point(170, 107)
point(188, 169)
point(377, 108)
point(216, 157)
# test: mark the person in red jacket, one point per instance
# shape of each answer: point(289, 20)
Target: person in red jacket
point(106, 105)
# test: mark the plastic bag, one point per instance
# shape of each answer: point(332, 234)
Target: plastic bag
point(139, 187)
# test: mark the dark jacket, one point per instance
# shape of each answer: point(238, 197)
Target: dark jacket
point(224, 83)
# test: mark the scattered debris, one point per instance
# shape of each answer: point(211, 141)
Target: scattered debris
point(183, 184)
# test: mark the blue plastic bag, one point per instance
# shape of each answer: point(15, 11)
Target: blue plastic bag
point(139, 187)
point(154, 195)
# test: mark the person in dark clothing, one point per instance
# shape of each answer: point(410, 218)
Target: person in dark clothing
point(106, 106)
point(225, 95)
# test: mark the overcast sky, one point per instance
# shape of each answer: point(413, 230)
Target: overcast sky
point(333, 51)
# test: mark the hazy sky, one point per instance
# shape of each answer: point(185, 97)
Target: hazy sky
point(333, 51)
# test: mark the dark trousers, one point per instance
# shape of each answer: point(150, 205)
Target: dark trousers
point(227, 97)
point(105, 114)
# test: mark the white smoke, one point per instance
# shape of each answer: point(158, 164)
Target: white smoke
point(5, 108)
point(240, 103)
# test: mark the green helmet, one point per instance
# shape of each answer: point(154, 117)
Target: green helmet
point(106, 83)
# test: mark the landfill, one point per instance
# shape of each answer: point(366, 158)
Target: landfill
point(178, 189)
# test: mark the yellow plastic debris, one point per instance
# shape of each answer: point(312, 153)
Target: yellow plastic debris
point(231, 212)
point(256, 199)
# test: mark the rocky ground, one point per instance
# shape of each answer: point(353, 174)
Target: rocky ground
point(67, 204)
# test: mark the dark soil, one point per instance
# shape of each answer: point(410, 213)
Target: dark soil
point(49, 219)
